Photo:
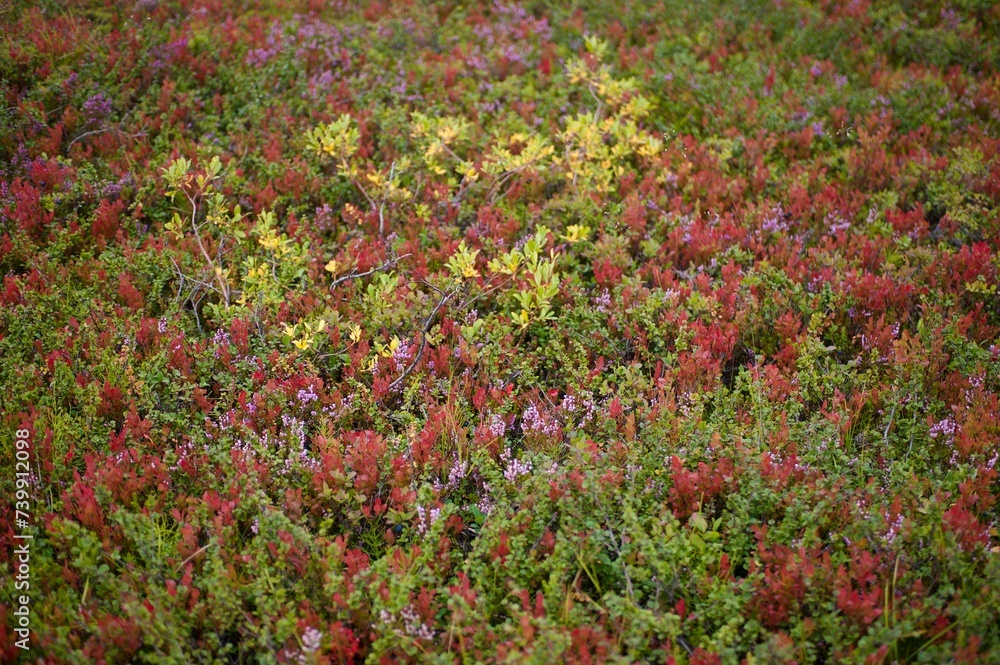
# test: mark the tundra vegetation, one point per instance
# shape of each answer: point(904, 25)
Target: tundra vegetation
point(456, 332)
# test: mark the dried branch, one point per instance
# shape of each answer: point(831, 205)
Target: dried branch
point(118, 130)
point(355, 275)
point(445, 297)
point(193, 555)
point(484, 293)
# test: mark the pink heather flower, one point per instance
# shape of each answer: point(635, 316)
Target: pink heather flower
point(533, 421)
point(97, 107)
point(456, 474)
point(402, 354)
point(485, 503)
point(894, 528)
point(944, 427)
point(307, 396)
point(221, 338)
point(602, 302)
point(837, 223)
point(296, 428)
point(774, 221)
point(414, 626)
point(515, 468)
point(426, 518)
point(531, 418)
point(497, 426)
point(311, 640)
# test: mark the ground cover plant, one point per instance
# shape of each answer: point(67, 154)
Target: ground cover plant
point(448, 332)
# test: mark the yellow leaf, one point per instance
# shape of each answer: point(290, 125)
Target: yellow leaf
point(576, 232)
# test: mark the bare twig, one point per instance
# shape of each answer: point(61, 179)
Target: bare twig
point(355, 275)
point(423, 338)
point(500, 181)
point(198, 282)
point(194, 310)
point(548, 526)
point(484, 293)
point(194, 554)
point(885, 434)
point(180, 287)
point(381, 207)
point(216, 269)
point(361, 188)
point(614, 543)
point(117, 130)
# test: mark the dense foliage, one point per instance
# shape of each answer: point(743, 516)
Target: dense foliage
point(452, 332)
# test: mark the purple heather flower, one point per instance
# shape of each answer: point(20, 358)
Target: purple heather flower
point(98, 107)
